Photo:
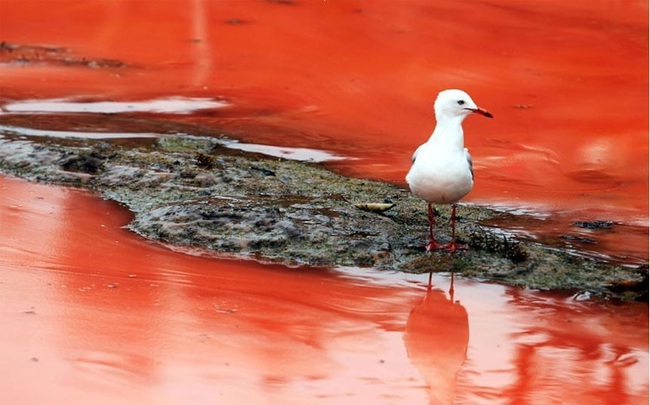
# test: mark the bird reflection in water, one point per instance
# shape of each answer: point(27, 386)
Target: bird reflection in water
point(437, 333)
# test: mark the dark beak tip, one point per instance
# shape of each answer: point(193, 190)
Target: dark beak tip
point(489, 115)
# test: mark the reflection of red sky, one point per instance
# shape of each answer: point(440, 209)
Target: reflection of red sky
point(567, 82)
point(108, 314)
point(92, 314)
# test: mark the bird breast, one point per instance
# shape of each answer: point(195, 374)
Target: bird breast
point(440, 178)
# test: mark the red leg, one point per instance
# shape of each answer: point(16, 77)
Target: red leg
point(432, 218)
point(432, 242)
point(452, 246)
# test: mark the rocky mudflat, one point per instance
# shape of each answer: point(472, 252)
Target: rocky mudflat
point(194, 191)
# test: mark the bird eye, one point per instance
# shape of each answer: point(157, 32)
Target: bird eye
point(461, 102)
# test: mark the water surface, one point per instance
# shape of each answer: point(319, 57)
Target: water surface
point(92, 313)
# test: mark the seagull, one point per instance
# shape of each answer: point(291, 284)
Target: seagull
point(441, 171)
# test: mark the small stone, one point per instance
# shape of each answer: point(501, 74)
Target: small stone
point(593, 225)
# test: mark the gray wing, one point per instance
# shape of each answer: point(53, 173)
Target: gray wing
point(469, 161)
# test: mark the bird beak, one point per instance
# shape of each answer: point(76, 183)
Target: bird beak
point(481, 111)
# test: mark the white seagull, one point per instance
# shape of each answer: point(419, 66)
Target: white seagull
point(441, 172)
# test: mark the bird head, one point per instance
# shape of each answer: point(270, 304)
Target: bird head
point(456, 103)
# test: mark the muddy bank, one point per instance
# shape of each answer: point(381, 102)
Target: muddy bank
point(194, 191)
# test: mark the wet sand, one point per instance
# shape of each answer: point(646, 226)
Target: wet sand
point(93, 314)
point(201, 192)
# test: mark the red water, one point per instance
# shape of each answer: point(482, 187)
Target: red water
point(567, 83)
point(92, 314)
